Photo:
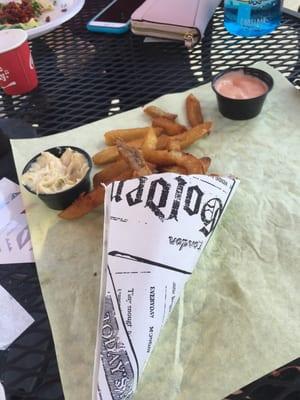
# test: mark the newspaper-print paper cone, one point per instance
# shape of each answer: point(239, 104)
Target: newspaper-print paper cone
point(156, 228)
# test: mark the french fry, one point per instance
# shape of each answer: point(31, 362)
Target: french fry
point(156, 112)
point(192, 135)
point(186, 139)
point(163, 141)
point(107, 155)
point(174, 145)
point(193, 110)
point(162, 157)
point(85, 203)
point(127, 134)
point(193, 164)
point(111, 153)
point(109, 174)
point(170, 127)
point(150, 140)
point(124, 134)
point(206, 161)
point(134, 158)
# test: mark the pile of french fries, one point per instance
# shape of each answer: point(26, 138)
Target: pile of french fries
point(143, 151)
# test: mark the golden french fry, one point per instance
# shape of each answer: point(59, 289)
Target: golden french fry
point(174, 145)
point(109, 173)
point(150, 140)
point(107, 155)
point(186, 138)
point(206, 161)
point(163, 142)
point(193, 164)
point(124, 134)
point(170, 127)
point(127, 135)
point(111, 153)
point(156, 112)
point(134, 158)
point(84, 204)
point(162, 157)
point(193, 110)
point(192, 135)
